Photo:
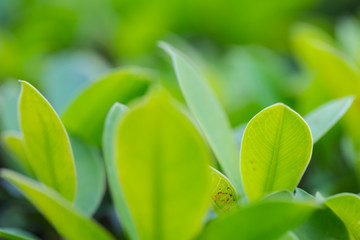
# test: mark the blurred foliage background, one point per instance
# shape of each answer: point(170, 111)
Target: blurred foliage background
point(254, 54)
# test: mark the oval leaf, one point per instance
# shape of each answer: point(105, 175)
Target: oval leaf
point(346, 206)
point(223, 196)
point(112, 121)
point(324, 117)
point(276, 148)
point(263, 220)
point(94, 103)
point(70, 223)
point(46, 142)
point(162, 167)
point(208, 112)
point(90, 174)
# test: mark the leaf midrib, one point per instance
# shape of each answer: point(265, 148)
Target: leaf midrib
point(270, 177)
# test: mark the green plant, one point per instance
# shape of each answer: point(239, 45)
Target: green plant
point(157, 156)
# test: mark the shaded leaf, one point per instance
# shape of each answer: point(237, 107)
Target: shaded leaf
point(346, 206)
point(68, 221)
point(112, 122)
point(94, 102)
point(90, 174)
point(152, 165)
point(16, 234)
point(275, 151)
point(262, 220)
point(208, 112)
point(46, 142)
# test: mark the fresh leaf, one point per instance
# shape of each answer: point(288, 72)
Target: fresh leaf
point(208, 112)
point(162, 164)
point(68, 221)
point(90, 174)
point(283, 195)
point(262, 220)
point(16, 234)
point(46, 142)
point(324, 117)
point(346, 206)
point(94, 102)
point(223, 196)
point(276, 149)
point(289, 236)
point(112, 122)
point(14, 144)
point(302, 195)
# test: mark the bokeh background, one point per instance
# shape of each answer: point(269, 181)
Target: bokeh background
point(254, 53)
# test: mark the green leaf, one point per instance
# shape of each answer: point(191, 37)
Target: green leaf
point(346, 206)
point(283, 195)
point(302, 195)
point(322, 225)
point(112, 122)
point(208, 112)
point(276, 149)
point(289, 236)
point(324, 117)
point(46, 142)
point(90, 174)
point(68, 221)
point(262, 220)
point(223, 195)
point(162, 164)
point(16, 234)
point(14, 144)
point(94, 102)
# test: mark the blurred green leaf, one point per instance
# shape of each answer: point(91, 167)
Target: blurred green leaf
point(90, 174)
point(283, 195)
point(289, 236)
point(93, 103)
point(70, 223)
point(16, 234)
point(112, 122)
point(208, 112)
point(46, 142)
point(275, 151)
point(346, 206)
point(14, 144)
point(302, 195)
point(223, 194)
point(324, 117)
point(262, 220)
point(160, 157)
point(348, 34)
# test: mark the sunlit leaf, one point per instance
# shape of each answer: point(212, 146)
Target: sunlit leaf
point(223, 196)
point(263, 220)
point(94, 102)
point(68, 221)
point(16, 234)
point(162, 164)
point(90, 175)
point(346, 206)
point(283, 195)
point(112, 121)
point(324, 117)
point(46, 142)
point(275, 151)
point(289, 236)
point(14, 144)
point(208, 112)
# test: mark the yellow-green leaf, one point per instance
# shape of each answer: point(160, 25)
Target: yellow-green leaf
point(276, 149)
point(94, 102)
point(112, 121)
point(223, 195)
point(46, 142)
point(14, 144)
point(67, 220)
point(16, 234)
point(162, 164)
point(347, 207)
point(208, 112)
